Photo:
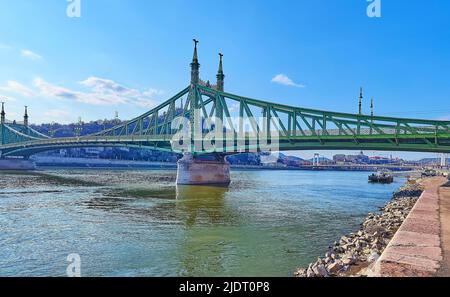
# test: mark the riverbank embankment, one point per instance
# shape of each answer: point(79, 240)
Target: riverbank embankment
point(357, 253)
point(416, 248)
point(48, 162)
point(444, 210)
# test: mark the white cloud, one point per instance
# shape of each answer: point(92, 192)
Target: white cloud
point(102, 85)
point(145, 103)
point(283, 79)
point(30, 55)
point(101, 91)
point(4, 98)
point(49, 90)
point(110, 91)
point(153, 92)
point(17, 88)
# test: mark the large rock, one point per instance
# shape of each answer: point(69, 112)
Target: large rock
point(322, 271)
point(349, 259)
point(309, 271)
point(301, 273)
point(334, 268)
point(373, 257)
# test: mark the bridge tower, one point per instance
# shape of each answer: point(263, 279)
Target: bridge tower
point(25, 117)
point(195, 66)
point(2, 122)
point(3, 114)
point(220, 76)
point(12, 163)
point(360, 101)
point(371, 108)
point(371, 115)
point(210, 169)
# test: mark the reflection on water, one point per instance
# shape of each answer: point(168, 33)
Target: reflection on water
point(203, 205)
point(186, 205)
point(203, 248)
point(137, 223)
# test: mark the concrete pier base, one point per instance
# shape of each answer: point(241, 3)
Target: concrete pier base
point(193, 171)
point(17, 164)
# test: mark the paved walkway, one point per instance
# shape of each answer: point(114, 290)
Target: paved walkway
point(416, 249)
point(444, 202)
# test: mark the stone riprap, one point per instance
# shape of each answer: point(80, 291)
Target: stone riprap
point(355, 253)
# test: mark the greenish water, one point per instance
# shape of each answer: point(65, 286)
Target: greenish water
point(137, 223)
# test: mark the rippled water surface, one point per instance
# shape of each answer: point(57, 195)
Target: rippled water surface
point(137, 223)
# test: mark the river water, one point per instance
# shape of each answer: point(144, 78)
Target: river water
point(137, 223)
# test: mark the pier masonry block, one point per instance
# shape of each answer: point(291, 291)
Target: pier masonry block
point(192, 171)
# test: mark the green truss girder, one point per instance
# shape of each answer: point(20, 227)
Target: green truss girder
point(297, 128)
point(15, 133)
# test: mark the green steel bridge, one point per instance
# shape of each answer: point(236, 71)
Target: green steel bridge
point(210, 108)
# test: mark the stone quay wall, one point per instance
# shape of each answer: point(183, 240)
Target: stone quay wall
point(415, 250)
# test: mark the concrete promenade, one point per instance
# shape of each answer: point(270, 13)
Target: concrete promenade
point(421, 246)
point(444, 196)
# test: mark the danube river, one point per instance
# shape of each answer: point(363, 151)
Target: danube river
point(137, 223)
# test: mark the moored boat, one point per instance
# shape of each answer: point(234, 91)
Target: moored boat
point(383, 177)
point(429, 173)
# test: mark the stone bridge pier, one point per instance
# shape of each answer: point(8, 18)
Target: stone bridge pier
point(203, 170)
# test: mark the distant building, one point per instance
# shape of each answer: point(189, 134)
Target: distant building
point(339, 158)
point(355, 159)
point(385, 160)
point(322, 161)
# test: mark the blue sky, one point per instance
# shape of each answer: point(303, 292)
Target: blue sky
point(320, 51)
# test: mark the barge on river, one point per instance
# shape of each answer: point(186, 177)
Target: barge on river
point(382, 177)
